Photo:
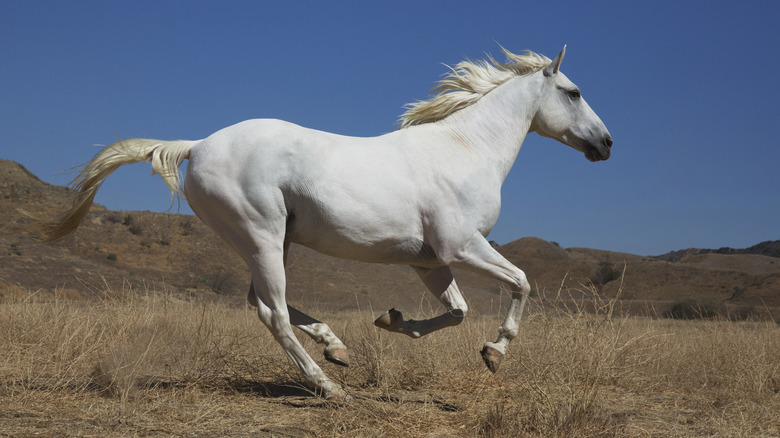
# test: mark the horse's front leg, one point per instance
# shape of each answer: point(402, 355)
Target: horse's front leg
point(441, 284)
point(479, 256)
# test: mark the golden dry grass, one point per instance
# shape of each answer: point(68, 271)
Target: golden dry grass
point(143, 363)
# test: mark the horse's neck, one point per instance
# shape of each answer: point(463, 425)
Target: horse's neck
point(497, 124)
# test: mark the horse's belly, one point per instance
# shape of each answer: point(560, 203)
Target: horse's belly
point(374, 240)
point(410, 252)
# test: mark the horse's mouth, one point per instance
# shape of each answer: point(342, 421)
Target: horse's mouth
point(593, 153)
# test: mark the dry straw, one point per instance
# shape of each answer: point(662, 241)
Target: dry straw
point(151, 362)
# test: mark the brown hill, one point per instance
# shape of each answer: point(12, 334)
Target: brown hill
point(770, 248)
point(177, 253)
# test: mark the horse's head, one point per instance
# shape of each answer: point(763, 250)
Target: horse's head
point(565, 116)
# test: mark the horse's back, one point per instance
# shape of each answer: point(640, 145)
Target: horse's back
point(346, 196)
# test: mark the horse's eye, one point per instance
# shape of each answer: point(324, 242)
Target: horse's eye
point(574, 94)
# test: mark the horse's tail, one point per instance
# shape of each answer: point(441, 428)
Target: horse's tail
point(165, 156)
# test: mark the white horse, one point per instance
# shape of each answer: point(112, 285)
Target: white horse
point(425, 195)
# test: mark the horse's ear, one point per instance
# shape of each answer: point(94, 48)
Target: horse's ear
point(553, 67)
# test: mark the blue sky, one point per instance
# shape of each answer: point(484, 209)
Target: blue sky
point(688, 90)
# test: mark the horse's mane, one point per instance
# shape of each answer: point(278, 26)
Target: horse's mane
point(467, 82)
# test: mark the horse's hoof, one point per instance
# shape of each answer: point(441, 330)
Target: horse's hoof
point(492, 358)
point(339, 397)
point(389, 320)
point(338, 355)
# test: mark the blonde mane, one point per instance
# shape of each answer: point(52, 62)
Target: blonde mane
point(467, 82)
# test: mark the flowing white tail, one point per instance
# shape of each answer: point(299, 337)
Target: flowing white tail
point(165, 156)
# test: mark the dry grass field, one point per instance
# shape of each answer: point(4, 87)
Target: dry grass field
point(149, 363)
point(135, 326)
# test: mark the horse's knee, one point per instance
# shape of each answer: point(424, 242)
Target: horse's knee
point(521, 284)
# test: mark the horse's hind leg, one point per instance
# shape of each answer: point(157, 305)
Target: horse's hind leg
point(441, 284)
point(335, 350)
point(268, 278)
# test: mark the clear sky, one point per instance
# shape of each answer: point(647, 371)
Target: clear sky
point(688, 89)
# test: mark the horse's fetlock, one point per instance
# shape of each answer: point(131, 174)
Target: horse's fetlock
point(509, 333)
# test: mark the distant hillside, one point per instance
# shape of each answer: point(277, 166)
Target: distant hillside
point(770, 248)
point(180, 255)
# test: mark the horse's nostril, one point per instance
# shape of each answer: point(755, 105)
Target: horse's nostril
point(608, 141)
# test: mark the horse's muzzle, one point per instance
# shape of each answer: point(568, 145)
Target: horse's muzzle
point(599, 152)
